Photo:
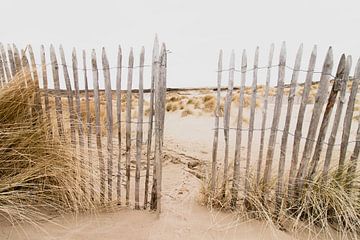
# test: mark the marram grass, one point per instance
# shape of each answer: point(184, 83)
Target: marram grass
point(39, 172)
point(330, 208)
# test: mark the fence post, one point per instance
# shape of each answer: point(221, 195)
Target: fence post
point(128, 123)
point(216, 129)
point(98, 126)
point(118, 114)
point(284, 138)
point(320, 100)
point(139, 129)
point(326, 117)
point(236, 182)
point(155, 59)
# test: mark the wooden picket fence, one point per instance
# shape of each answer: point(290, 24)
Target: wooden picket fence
point(84, 134)
point(309, 148)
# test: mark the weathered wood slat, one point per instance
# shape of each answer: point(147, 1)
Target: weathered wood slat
point(45, 84)
point(17, 60)
point(26, 65)
point(70, 97)
point(326, 118)
point(227, 111)
point(276, 117)
point(58, 103)
point(34, 72)
point(89, 127)
point(216, 129)
point(139, 129)
point(320, 100)
point(77, 116)
point(5, 62)
point(118, 114)
point(159, 118)
point(109, 121)
point(354, 159)
point(348, 118)
point(264, 113)
point(155, 59)
point(336, 122)
point(128, 123)
point(79, 121)
point(98, 126)
point(2, 73)
point(236, 182)
point(251, 124)
point(11, 60)
point(284, 139)
point(300, 120)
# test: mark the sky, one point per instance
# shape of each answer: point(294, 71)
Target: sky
point(194, 31)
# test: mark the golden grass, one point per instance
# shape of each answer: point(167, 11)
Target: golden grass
point(40, 174)
point(321, 207)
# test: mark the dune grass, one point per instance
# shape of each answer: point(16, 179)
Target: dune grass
point(40, 174)
point(330, 208)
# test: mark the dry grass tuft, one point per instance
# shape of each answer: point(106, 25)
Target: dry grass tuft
point(320, 208)
point(39, 173)
point(186, 112)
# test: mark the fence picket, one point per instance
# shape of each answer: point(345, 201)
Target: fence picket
point(17, 60)
point(109, 121)
point(139, 130)
point(11, 60)
point(5, 62)
point(98, 126)
point(300, 120)
point(264, 113)
point(217, 116)
point(284, 138)
point(77, 102)
point(128, 123)
point(276, 117)
point(37, 100)
point(336, 122)
point(251, 123)
point(227, 111)
point(348, 118)
point(58, 103)
point(118, 114)
point(236, 182)
point(155, 59)
point(89, 128)
point(2, 73)
point(326, 117)
point(70, 97)
point(320, 100)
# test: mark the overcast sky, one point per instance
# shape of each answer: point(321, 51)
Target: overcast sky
point(194, 31)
